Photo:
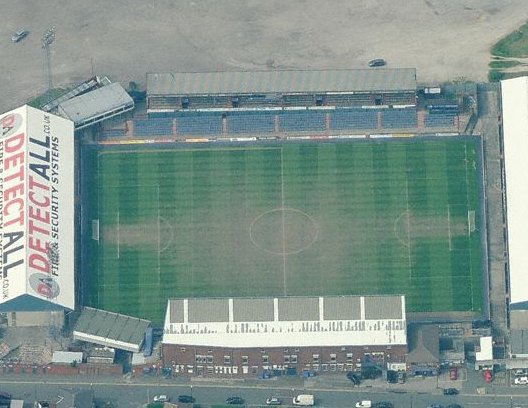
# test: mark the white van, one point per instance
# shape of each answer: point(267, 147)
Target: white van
point(521, 381)
point(364, 404)
point(306, 400)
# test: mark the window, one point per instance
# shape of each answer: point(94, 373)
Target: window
point(182, 349)
point(227, 359)
point(349, 357)
point(315, 358)
point(286, 359)
point(245, 360)
point(324, 367)
point(293, 359)
point(265, 359)
point(333, 358)
point(210, 360)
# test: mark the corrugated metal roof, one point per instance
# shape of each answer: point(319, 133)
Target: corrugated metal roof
point(383, 307)
point(342, 307)
point(111, 326)
point(284, 321)
point(208, 310)
point(253, 310)
point(95, 103)
point(265, 82)
point(515, 129)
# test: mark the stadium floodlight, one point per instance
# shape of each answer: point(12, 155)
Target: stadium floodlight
point(47, 39)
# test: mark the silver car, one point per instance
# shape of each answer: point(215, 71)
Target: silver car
point(19, 35)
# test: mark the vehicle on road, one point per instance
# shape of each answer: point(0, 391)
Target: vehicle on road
point(354, 377)
point(520, 371)
point(488, 376)
point(364, 404)
point(185, 399)
point(453, 373)
point(454, 406)
point(235, 401)
point(392, 377)
point(383, 404)
point(161, 398)
point(520, 381)
point(450, 391)
point(434, 406)
point(273, 401)
point(377, 62)
point(19, 35)
point(306, 400)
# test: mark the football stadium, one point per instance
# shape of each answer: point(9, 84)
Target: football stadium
point(305, 183)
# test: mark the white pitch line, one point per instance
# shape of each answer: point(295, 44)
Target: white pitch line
point(283, 228)
point(408, 228)
point(159, 237)
point(449, 227)
point(118, 237)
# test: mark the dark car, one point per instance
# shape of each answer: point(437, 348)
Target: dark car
point(354, 377)
point(377, 62)
point(383, 404)
point(370, 372)
point(4, 396)
point(235, 401)
point(392, 376)
point(450, 391)
point(434, 406)
point(454, 406)
point(185, 399)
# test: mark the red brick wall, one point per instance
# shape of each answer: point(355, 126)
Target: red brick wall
point(218, 361)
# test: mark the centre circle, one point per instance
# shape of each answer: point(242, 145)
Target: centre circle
point(283, 231)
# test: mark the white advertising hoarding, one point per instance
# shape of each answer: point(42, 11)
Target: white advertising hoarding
point(37, 206)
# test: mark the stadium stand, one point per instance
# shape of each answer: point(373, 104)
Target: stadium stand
point(109, 133)
point(346, 100)
point(250, 122)
point(153, 127)
point(165, 102)
point(199, 124)
point(357, 118)
point(399, 99)
point(399, 118)
point(297, 121)
point(440, 119)
point(298, 100)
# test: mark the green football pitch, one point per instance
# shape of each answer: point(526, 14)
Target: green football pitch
point(362, 217)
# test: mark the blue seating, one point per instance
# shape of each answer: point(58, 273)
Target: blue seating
point(358, 118)
point(153, 127)
point(250, 123)
point(398, 118)
point(297, 121)
point(109, 133)
point(440, 119)
point(199, 125)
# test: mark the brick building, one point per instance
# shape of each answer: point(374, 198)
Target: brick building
point(249, 336)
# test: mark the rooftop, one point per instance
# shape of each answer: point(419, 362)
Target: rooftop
point(266, 82)
point(286, 321)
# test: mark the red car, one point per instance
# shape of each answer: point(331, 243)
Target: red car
point(453, 373)
point(488, 376)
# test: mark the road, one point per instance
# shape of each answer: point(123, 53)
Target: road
point(137, 394)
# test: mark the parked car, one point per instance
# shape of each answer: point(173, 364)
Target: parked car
point(520, 372)
point(453, 373)
point(434, 406)
point(19, 35)
point(520, 380)
point(392, 377)
point(488, 376)
point(235, 401)
point(161, 398)
point(383, 404)
point(450, 391)
point(377, 62)
point(185, 399)
point(273, 401)
point(401, 377)
point(354, 377)
point(364, 404)
point(371, 372)
point(454, 406)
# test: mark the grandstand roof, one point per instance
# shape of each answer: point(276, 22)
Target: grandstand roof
point(110, 329)
point(262, 82)
point(515, 130)
point(286, 321)
point(99, 103)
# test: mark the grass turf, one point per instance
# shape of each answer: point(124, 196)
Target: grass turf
point(296, 219)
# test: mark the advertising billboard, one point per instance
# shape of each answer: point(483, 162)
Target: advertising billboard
point(37, 206)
